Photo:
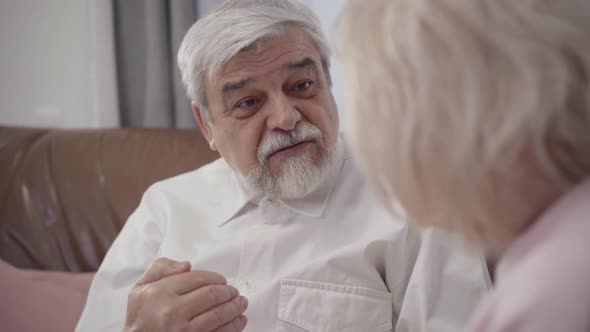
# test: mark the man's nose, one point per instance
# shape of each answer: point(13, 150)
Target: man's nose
point(283, 114)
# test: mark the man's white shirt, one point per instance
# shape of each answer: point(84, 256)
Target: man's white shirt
point(333, 261)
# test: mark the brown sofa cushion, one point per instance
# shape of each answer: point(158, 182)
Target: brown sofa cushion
point(65, 194)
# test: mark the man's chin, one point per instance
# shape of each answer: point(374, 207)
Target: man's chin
point(299, 180)
point(278, 166)
point(285, 170)
point(300, 187)
point(294, 177)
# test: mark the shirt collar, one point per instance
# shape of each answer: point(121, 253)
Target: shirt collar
point(313, 205)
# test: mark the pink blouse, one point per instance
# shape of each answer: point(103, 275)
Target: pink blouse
point(543, 280)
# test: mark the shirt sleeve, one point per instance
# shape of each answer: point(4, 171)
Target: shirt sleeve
point(133, 250)
point(443, 284)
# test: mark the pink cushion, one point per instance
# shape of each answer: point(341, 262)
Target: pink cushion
point(41, 300)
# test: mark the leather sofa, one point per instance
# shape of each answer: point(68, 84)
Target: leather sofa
point(64, 197)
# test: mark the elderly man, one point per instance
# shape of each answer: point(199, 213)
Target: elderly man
point(282, 233)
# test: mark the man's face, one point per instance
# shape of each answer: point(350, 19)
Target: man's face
point(272, 110)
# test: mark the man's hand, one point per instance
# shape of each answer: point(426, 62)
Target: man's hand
point(170, 297)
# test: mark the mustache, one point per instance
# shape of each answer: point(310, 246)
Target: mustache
point(277, 140)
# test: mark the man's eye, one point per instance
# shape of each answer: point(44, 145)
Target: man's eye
point(303, 86)
point(246, 103)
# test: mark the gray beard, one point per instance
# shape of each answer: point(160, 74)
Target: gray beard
point(299, 177)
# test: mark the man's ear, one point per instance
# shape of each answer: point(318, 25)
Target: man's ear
point(204, 125)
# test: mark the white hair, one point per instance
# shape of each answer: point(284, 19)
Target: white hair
point(238, 25)
point(450, 99)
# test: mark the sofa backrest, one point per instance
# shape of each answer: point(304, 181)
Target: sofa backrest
point(65, 194)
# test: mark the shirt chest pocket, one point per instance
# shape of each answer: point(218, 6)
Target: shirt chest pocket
point(321, 307)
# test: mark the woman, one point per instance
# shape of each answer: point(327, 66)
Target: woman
point(475, 116)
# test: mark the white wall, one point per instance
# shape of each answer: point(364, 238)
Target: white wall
point(57, 63)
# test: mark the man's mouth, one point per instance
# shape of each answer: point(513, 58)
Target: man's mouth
point(290, 150)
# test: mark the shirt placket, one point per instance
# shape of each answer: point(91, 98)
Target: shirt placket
point(259, 247)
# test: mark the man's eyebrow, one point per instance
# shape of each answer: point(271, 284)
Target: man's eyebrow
point(301, 64)
point(233, 86)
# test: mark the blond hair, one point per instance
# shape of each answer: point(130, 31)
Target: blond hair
point(445, 97)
